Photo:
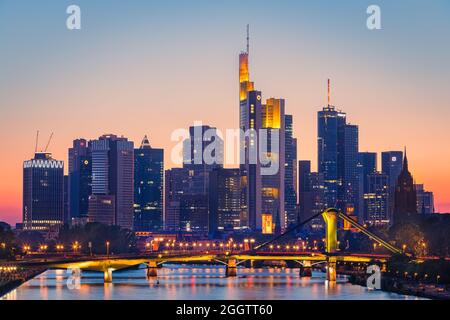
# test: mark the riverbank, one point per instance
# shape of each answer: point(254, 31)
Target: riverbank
point(11, 280)
point(406, 287)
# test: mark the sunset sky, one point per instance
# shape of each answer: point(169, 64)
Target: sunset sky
point(150, 67)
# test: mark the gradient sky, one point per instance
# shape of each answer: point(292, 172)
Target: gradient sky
point(149, 67)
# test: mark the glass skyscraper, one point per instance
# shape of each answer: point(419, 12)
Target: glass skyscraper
point(43, 192)
point(112, 181)
point(80, 180)
point(148, 187)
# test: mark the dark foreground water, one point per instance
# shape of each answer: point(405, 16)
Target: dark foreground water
point(194, 283)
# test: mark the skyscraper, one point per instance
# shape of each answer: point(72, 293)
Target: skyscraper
point(290, 172)
point(273, 184)
point(425, 200)
point(148, 187)
point(251, 118)
point(350, 189)
point(43, 192)
point(391, 165)
point(338, 160)
point(177, 183)
point(330, 122)
point(203, 140)
point(376, 199)
point(225, 200)
point(80, 180)
point(368, 163)
point(112, 181)
point(311, 194)
point(405, 197)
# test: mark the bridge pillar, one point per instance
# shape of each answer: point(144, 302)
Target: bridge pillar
point(331, 269)
point(306, 269)
point(107, 275)
point(331, 216)
point(231, 270)
point(152, 269)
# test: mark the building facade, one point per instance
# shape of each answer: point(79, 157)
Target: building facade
point(43, 193)
point(80, 180)
point(148, 187)
point(112, 178)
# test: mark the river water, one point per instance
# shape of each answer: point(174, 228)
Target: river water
point(195, 283)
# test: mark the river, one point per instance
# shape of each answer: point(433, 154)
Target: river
point(195, 283)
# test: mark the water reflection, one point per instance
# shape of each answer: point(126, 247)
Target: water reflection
point(194, 283)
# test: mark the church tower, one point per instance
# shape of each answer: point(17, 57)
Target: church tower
point(405, 197)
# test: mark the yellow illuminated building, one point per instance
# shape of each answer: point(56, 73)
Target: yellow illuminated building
point(267, 223)
point(271, 114)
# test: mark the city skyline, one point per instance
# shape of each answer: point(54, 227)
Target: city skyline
point(405, 130)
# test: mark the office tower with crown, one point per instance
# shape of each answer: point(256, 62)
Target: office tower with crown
point(43, 192)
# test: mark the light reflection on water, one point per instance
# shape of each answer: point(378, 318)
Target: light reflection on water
point(194, 283)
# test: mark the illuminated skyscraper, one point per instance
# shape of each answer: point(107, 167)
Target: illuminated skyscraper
point(368, 163)
point(43, 192)
point(148, 187)
point(80, 180)
point(376, 199)
point(273, 185)
point(330, 122)
point(225, 200)
point(290, 175)
point(112, 181)
point(249, 122)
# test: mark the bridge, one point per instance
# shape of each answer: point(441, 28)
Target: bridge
point(306, 260)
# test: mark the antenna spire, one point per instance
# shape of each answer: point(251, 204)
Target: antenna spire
point(248, 38)
point(37, 142)
point(329, 93)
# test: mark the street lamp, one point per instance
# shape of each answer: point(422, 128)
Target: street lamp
point(107, 248)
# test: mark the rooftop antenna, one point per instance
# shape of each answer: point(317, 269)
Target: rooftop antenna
point(329, 93)
point(37, 141)
point(248, 38)
point(48, 143)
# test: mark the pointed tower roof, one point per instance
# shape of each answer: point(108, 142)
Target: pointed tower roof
point(145, 144)
point(405, 162)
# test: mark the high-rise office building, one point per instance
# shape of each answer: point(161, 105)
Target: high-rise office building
point(148, 187)
point(273, 184)
point(80, 180)
point(376, 198)
point(194, 213)
point(425, 200)
point(203, 150)
point(43, 192)
point(250, 120)
point(112, 181)
point(311, 194)
point(391, 165)
point(350, 186)
point(368, 163)
point(290, 173)
point(338, 160)
point(177, 183)
point(330, 122)
point(186, 204)
point(225, 200)
point(405, 197)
